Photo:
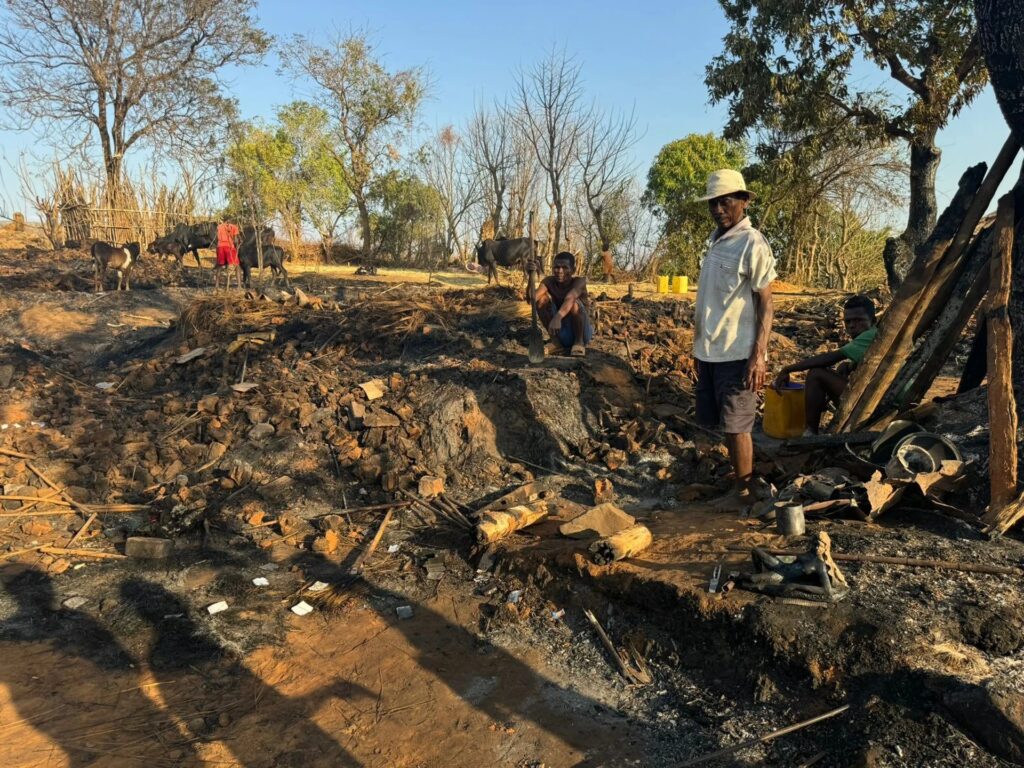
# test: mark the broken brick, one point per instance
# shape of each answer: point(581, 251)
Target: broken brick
point(148, 548)
point(431, 486)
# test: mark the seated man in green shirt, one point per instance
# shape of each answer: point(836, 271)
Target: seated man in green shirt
point(823, 382)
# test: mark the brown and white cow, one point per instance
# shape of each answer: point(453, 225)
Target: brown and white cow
point(121, 259)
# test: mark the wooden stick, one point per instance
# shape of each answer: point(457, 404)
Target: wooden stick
point(1002, 409)
point(64, 494)
point(17, 552)
point(357, 566)
point(82, 553)
point(107, 509)
point(55, 500)
point(370, 508)
point(766, 738)
point(50, 496)
point(15, 454)
point(81, 531)
point(630, 675)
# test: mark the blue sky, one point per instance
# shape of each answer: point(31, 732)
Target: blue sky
point(649, 54)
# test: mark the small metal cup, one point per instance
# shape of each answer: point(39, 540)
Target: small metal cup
point(789, 519)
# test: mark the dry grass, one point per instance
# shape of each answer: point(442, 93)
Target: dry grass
point(937, 653)
point(392, 312)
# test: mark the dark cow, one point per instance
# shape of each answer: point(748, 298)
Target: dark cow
point(169, 246)
point(187, 237)
point(119, 258)
point(273, 256)
point(491, 254)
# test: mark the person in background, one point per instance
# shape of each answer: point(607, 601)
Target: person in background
point(824, 383)
point(227, 253)
point(733, 320)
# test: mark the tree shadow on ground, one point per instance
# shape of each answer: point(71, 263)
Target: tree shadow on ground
point(522, 694)
point(181, 645)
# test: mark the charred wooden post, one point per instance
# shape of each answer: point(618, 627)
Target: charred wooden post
point(496, 525)
point(1002, 409)
point(975, 368)
point(896, 316)
point(625, 543)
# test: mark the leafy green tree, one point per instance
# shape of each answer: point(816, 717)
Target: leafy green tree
point(316, 176)
point(288, 171)
point(371, 109)
point(408, 219)
point(677, 177)
point(258, 159)
point(790, 65)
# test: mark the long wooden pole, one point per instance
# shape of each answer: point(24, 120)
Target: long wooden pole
point(1002, 407)
point(766, 737)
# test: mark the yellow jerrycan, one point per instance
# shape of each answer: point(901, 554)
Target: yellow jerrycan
point(784, 411)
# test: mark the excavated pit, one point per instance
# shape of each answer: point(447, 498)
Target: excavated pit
point(917, 654)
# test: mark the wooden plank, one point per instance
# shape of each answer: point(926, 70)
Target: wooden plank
point(1002, 408)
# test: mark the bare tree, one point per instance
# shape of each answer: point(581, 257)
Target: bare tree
point(131, 71)
point(549, 97)
point(447, 169)
point(605, 167)
point(490, 150)
point(373, 109)
point(523, 180)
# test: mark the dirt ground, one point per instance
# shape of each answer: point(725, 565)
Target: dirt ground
point(135, 398)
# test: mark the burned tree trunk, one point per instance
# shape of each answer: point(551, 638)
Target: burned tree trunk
point(1001, 29)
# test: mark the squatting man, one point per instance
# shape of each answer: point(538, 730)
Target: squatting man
point(561, 301)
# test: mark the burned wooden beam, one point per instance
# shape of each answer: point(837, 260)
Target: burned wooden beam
point(927, 360)
point(1002, 408)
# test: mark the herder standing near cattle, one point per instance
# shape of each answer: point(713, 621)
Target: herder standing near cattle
point(227, 252)
point(733, 320)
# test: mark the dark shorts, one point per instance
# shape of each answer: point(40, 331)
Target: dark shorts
point(567, 334)
point(723, 398)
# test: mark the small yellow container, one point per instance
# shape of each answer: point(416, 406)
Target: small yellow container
point(662, 283)
point(680, 284)
point(784, 412)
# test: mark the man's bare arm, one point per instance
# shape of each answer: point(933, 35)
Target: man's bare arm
point(757, 365)
point(579, 288)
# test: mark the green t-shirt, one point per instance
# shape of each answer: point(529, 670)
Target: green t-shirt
point(857, 348)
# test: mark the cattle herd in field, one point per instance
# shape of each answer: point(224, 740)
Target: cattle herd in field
point(189, 238)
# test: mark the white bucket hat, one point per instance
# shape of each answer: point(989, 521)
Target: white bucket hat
point(725, 182)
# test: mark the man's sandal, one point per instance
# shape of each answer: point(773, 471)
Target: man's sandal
point(578, 350)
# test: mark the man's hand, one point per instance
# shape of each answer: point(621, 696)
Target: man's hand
point(757, 371)
point(781, 381)
point(556, 324)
